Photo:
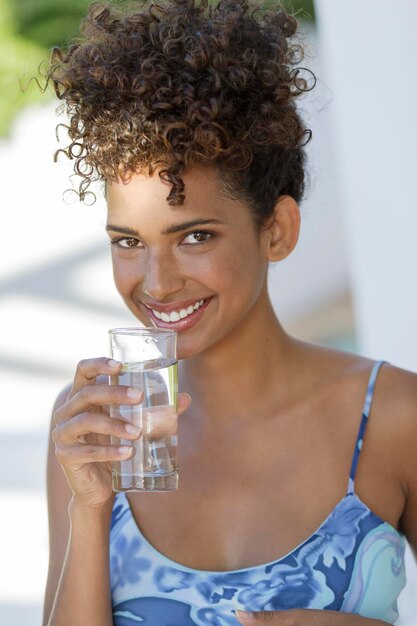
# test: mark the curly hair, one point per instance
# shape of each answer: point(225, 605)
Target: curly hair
point(183, 83)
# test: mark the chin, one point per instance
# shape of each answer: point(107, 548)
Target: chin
point(188, 347)
point(186, 352)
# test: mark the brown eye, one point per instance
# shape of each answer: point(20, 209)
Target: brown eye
point(126, 242)
point(129, 242)
point(197, 237)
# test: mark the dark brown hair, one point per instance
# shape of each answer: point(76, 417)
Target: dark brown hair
point(181, 83)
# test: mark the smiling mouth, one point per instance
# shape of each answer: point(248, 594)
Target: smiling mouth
point(176, 316)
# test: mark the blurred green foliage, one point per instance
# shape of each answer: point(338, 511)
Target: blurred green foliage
point(48, 22)
point(303, 9)
point(19, 59)
point(29, 28)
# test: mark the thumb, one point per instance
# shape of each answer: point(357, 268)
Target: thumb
point(184, 402)
point(247, 618)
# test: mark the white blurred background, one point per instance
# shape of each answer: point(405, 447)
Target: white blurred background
point(348, 284)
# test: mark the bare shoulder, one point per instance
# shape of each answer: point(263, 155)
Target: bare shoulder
point(399, 390)
point(395, 403)
point(396, 387)
point(58, 490)
point(391, 450)
point(329, 365)
point(61, 397)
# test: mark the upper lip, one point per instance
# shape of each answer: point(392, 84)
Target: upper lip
point(173, 306)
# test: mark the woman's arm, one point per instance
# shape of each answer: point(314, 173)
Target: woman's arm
point(80, 500)
point(78, 549)
point(59, 496)
point(83, 593)
point(80, 496)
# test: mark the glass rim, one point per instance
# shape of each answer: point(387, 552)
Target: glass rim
point(141, 330)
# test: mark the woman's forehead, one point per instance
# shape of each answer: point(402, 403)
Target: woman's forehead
point(202, 190)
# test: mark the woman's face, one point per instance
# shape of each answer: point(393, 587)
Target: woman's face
point(198, 268)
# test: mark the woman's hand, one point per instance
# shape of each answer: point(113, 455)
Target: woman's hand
point(305, 617)
point(84, 427)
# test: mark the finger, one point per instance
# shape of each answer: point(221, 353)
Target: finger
point(162, 421)
point(159, 421)
point(184, 402)
point(248, 618)
point(297, 617)
point(96, 423)
point(88, 370)
point(95, 396)
point(74, 456)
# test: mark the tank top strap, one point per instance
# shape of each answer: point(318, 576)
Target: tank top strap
point(364, 421)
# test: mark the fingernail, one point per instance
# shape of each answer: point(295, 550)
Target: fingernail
point(133, 393)
point(125, 450)
point(245, 616)
point(112, 363)
point(132, 429)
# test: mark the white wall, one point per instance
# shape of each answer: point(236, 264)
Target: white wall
point(316, 272)
point(370, 63)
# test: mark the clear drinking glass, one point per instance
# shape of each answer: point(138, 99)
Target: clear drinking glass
point(149, 357)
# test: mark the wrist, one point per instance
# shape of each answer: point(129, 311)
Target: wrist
point(79, 510)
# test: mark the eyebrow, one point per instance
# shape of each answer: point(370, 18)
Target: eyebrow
point(175, 228)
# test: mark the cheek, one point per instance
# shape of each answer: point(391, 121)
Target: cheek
point(240, 273)
point(125, 275)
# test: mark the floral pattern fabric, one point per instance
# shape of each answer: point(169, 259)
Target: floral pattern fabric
point(354, 562)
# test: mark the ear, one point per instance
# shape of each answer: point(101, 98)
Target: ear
point(282, 229)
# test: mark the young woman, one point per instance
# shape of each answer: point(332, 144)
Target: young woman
point(293, 507)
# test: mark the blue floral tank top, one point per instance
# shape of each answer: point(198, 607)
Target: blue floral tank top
point(354, 562)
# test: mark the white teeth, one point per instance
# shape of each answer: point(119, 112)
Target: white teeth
point(176, 316)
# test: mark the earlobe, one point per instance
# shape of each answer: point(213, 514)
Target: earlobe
point(283, 229)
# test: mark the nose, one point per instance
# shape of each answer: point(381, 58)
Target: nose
point(162, 276)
